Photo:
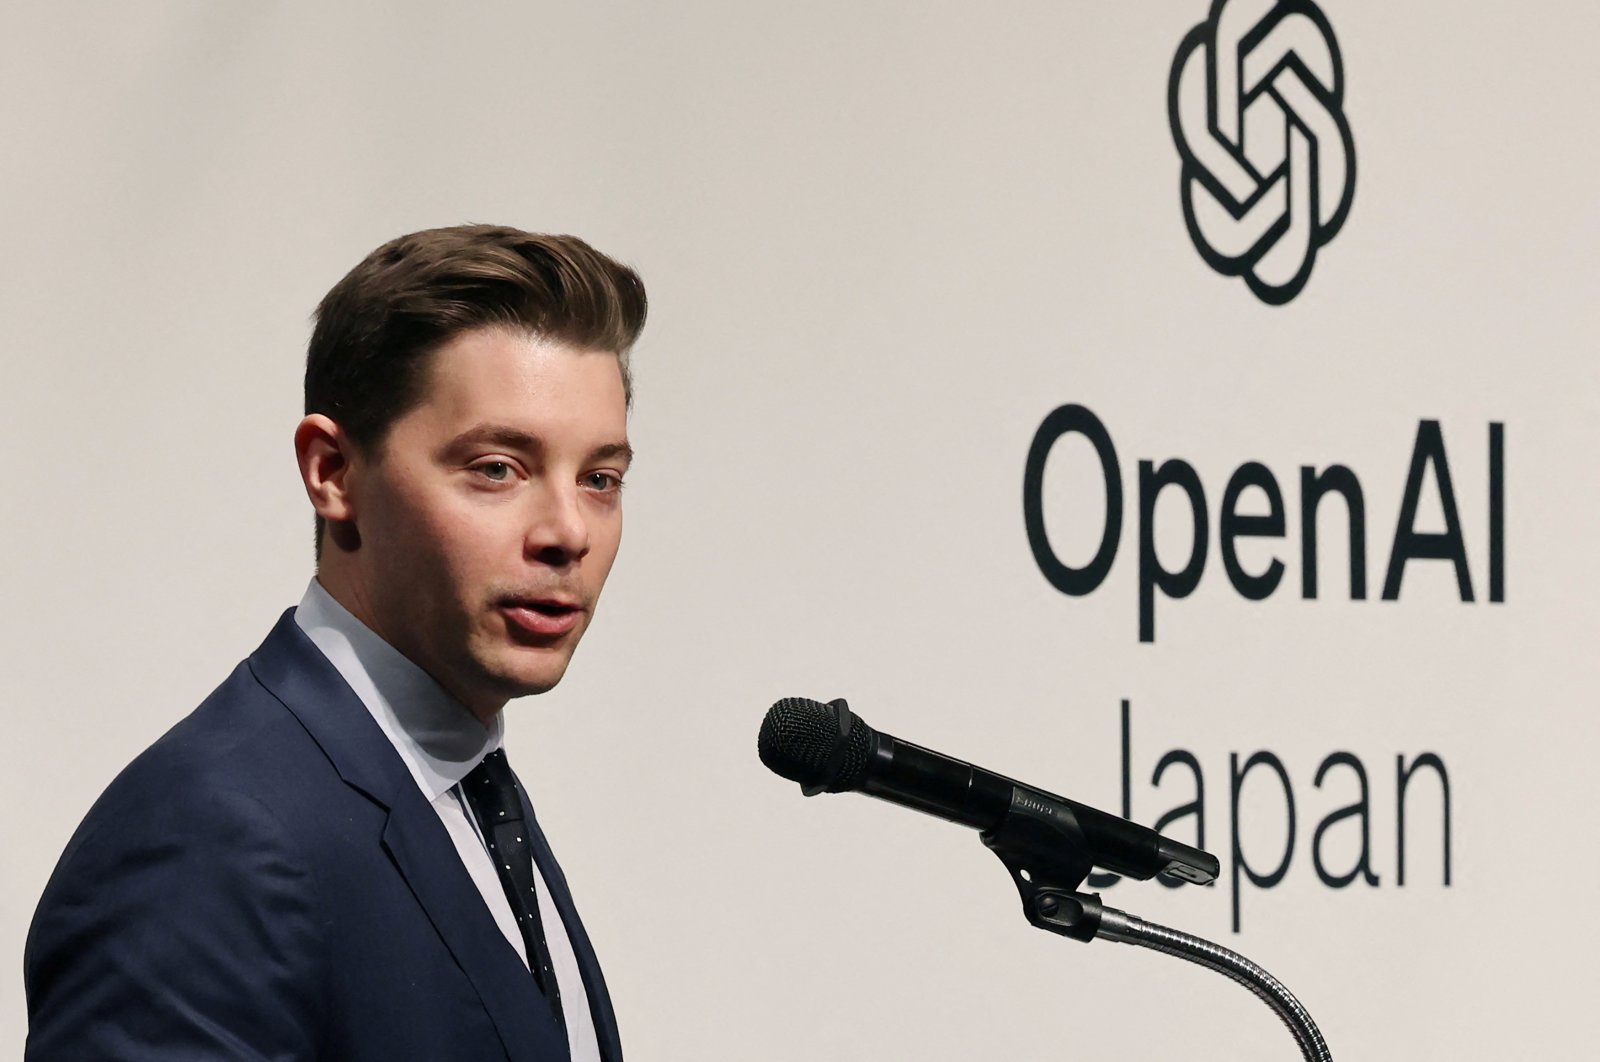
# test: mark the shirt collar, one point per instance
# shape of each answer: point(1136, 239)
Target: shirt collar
point(439, 740)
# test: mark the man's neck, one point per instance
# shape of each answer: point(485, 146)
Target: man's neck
point(349, 592)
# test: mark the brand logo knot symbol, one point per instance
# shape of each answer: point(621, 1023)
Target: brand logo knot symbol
point(1256, 103)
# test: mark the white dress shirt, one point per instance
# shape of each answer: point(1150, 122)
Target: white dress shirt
point(440, 742)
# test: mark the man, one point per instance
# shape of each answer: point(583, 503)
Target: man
point(330, 858)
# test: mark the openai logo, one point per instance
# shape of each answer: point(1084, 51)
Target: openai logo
point(1256, 103)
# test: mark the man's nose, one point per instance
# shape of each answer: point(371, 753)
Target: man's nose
point(557, 533)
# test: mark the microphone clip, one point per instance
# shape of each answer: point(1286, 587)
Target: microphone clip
point(1047, 856)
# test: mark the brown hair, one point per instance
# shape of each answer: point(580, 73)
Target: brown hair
point(376, 327)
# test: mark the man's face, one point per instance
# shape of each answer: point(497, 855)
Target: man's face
point(489, 517)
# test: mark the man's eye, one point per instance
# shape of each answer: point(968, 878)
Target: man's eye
point(602, 481)
point(498, 471)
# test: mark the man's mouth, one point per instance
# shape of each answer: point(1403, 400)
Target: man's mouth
point(546, 617)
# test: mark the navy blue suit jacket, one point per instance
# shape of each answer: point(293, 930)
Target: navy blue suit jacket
point(267, 881)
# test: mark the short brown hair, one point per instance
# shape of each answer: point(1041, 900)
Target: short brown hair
point(376, 327)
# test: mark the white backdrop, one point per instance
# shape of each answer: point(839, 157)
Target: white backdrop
point(882, 242)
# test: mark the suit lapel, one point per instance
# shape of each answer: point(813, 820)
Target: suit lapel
point(594, 983)
point(297, 673)
point(446, 893)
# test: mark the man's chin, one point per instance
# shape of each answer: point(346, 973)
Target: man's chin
point(500, 672)
point(530, 678)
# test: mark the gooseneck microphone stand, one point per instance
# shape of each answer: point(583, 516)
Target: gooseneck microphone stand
point(1047, 865)
point(1047, 843)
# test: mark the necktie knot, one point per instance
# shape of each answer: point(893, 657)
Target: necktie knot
point(492, 789)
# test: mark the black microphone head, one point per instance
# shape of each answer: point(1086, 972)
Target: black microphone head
point(801, 740)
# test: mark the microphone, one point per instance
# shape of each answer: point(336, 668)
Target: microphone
point(827, 748)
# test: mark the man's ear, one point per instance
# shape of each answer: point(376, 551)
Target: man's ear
point(325, 454)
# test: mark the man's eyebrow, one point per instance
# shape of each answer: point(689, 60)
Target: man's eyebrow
point(517, 439)
point(499, 434)
point(612, 452)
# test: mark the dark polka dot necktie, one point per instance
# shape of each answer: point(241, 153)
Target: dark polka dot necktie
point(491, 791)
